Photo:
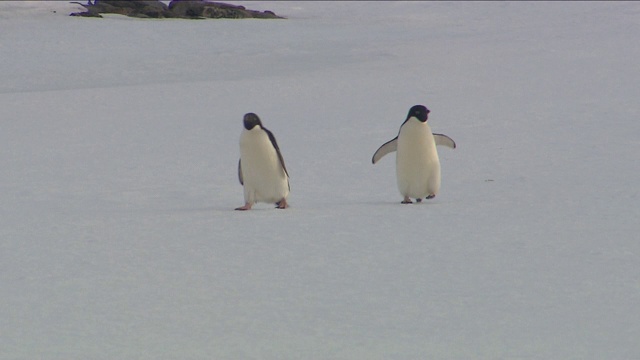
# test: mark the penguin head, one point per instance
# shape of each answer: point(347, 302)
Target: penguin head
point(419, 112)
point(251, 120)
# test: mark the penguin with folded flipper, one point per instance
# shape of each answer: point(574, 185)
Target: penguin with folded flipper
point(417, 162)
point(261, 168)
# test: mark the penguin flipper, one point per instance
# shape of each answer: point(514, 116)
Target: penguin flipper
point(272, 138)
point(388, 147)
point(444, 140)
point(240, 172)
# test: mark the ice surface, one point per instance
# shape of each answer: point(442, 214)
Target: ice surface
point(118, 154)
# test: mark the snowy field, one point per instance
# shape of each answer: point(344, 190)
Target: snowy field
point(118, 154)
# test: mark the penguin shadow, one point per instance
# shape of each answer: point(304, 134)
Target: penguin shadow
point(221, 209)
point(266, 208)
point(257, 208)
point(399, 203)
point(380, 202)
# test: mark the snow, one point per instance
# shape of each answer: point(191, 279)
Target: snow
point(119, 146)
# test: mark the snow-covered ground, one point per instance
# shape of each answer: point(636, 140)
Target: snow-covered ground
point(118, 154)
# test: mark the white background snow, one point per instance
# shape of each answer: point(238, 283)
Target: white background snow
point(118, 154)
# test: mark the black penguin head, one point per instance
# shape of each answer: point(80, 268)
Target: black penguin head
point(251, 120)
point(419, 112)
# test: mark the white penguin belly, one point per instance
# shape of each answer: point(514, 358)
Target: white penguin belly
point(263, 176)
point(417, 163)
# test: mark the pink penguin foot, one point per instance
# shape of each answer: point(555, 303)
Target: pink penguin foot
point(282, 204)
point(245, 207)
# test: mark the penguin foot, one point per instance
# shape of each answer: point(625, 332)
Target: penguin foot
point(430, 196)
point(245, 207)
point(282, 204)
point(418, 200)
point(406, 200)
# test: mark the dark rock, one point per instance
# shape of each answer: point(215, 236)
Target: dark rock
point(87, 14)
point(186, 9)
point(215, 10)
point(91, 10)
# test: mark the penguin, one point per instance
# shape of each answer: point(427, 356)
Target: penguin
point(261, 168)
point(417, 162)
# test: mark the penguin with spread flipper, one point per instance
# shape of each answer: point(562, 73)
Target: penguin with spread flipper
point(417, 162)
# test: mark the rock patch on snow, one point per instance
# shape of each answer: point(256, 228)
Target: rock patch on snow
point(183, 9)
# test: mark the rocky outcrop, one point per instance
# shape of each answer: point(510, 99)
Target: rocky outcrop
point(215, 10)
point(183, 9)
